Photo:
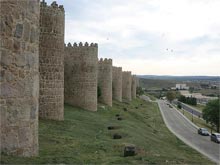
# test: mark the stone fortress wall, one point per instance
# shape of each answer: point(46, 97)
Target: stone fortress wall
point(81, 75)
point(33, 62)
point(19, 77)
point(126, 85)
point(117, 83)
point(137, 82)
point(51, 56)
point(133, 87)
point(105, 81)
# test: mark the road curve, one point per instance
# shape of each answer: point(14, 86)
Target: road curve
point(187, 132)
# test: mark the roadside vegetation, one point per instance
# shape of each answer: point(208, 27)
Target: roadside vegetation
point(83, 138)
point(211, 113)
point(151, 97)
point(187, 100)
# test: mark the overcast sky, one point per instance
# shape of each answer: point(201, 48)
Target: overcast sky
point(156, 37)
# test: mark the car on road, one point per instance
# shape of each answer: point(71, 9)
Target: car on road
point(215, 137)
point(203, 131)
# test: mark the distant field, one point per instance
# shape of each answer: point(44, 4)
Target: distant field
point(83, 138)
point(154, 84)
point(157, 84)
point(209, 92)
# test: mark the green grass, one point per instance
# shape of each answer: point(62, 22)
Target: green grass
point(209, 92)
point(151, 97)
point(83, 138)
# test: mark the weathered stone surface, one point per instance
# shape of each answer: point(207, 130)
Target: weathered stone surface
point(19, 91)
point(133, 87)
point(81, 75)
point(137, 82)
point(19, 30)
point(126, 85)
point(51, 57)
point(117, 83)
point(129, 150)
point(105, 81)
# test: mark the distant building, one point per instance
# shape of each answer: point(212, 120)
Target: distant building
point(181, 87)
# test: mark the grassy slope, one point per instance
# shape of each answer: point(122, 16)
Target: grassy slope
point(83, 138)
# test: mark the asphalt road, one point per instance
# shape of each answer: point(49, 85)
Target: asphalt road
point(187, 132)
point(190, 109)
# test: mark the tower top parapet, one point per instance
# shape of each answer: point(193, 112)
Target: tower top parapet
point(128, 72)
point(118, 68)
point(86, 44)
point(105, 61)
point(53, 5)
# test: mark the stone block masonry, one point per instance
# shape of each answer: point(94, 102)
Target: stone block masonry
point(117, 83)
point(105, 81)
point(133, 87)
point(51, 57)
point(126, 86)
point(19, 77)
point(137, 82)
point(81, 66)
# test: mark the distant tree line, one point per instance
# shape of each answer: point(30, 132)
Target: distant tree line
point(188, 100)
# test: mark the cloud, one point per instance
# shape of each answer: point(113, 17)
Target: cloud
point(149, 35)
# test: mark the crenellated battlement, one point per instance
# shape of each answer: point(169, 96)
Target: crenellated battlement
point(117, 68)
point(53, 6)
point(105, 81)
point(51, 56)
point(133, 87)
point(80, 78)
point(127, 72)
point(86, 44)
point(117, 83)
point(105, 61)
point(126, 85)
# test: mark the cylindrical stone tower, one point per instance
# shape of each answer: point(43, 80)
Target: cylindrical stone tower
point(105, 81)
point(117, 83)
point(19, 77)
point(81, 64)
point(51, 57)
point(133, 87)
point(137, 82)
point(126, 85)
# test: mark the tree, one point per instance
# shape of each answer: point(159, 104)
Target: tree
point(191, 89)
point(139, 91)
point(171, 95)
point(211, 113)
point(179, 105)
